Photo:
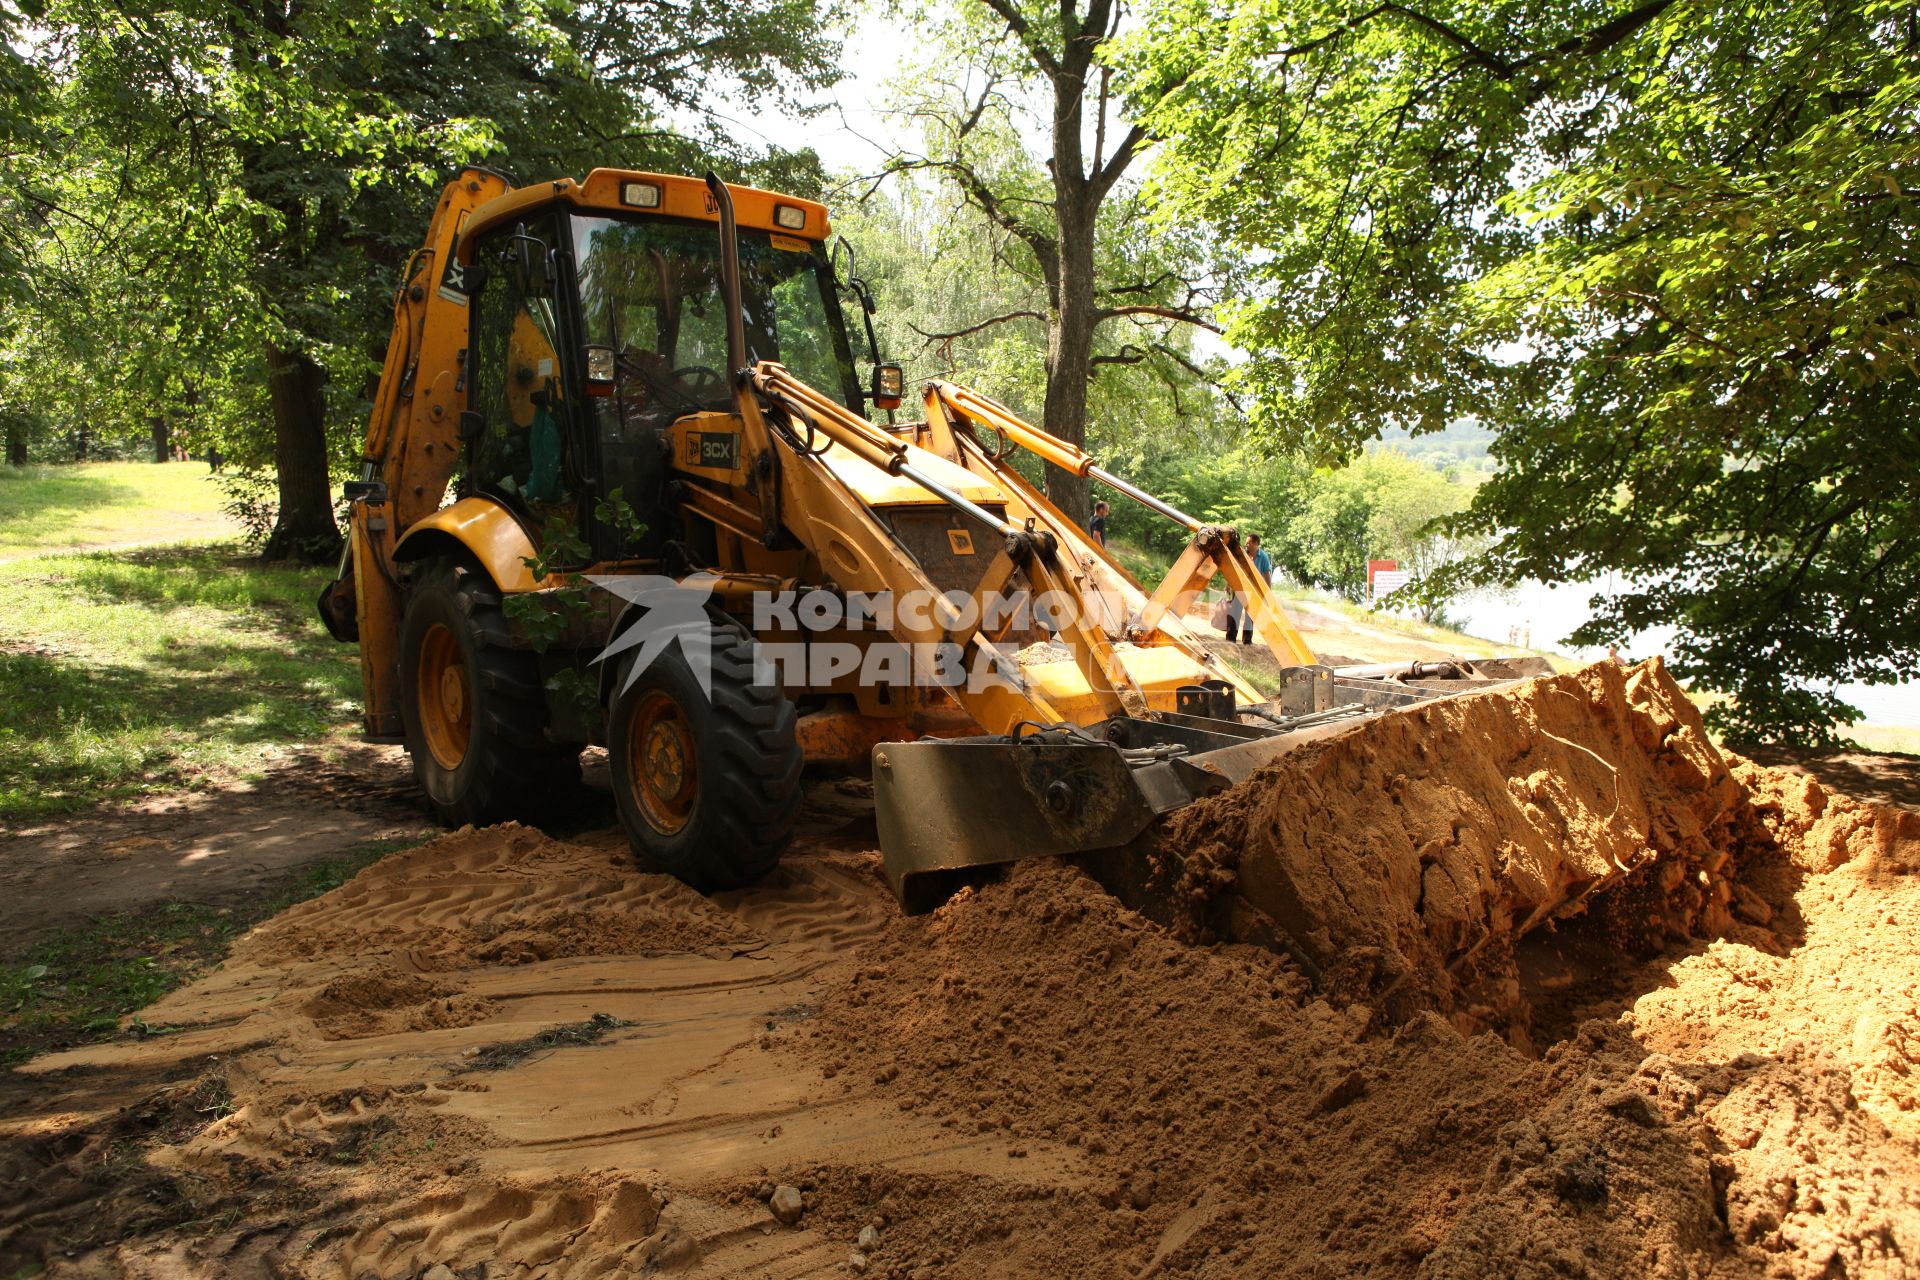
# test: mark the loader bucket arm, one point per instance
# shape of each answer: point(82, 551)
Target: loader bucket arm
point(1036, 552)
point(1213, 549)
point(998, 704)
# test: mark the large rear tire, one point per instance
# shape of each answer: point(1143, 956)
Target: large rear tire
point(472, 705)
point(708, 788)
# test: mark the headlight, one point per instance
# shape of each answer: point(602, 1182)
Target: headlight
point(640, 195)
point(792, 217)
point(889, 386)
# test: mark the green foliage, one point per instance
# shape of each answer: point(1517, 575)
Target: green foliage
point(136, 671)
point(1320, 525)
point(1663, 249)
point(546, 616)
point(223, 190)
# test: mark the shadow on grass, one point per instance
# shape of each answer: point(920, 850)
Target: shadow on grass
point(50, 498)
point(140, 663)
point(77, 732)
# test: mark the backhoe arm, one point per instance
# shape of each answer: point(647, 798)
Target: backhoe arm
point(412, 446)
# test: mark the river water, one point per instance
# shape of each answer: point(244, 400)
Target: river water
point(1540, 617)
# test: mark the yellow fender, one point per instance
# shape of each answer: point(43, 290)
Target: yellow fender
point(485, 530)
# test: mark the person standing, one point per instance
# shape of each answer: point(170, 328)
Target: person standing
point(1261, 560)
point(1239, 611)
point(1098, 525)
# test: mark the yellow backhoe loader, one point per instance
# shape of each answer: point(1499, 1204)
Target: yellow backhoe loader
point(623, 486)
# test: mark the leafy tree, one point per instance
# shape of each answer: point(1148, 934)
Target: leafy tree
point(1666, 248)
point(944, 283)
point(261, 173)
point(21, 90)
point(1072, 226)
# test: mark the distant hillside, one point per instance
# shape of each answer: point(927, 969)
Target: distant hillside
point(1463, 445)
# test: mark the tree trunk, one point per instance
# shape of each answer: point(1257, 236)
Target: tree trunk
point(16, 443)
point(303, 529)
point(162, 443)
point(1070, 351)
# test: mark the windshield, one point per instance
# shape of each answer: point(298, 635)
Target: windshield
point(650, 289)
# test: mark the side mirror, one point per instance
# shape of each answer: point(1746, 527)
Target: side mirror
point(473, 424)
point(602, 364)
point(889, 386)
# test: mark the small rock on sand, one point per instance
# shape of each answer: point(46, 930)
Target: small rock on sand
point(869, 1236)
point(786, 1204)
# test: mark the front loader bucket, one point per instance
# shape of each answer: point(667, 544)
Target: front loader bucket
point(948, 809)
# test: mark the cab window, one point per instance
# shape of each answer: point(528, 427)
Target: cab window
point(516, 379)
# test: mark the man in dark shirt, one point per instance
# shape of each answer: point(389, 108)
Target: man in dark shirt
point(1098, 525)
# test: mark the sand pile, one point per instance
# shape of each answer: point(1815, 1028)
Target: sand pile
point(504, 895)
point(1232, 1123)
point(1400, 862)
point(511, 1056)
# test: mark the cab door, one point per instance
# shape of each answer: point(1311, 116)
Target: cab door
point(519, 377)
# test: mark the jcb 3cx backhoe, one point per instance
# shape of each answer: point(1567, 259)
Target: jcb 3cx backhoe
point(619, 433)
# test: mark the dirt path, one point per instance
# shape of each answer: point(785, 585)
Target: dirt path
point(216, 846)
point(507, 1055)
point(189, 529)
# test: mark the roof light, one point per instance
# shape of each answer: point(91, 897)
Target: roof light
point(640, 195)
point(792, 217)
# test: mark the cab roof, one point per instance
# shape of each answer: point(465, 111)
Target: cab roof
point(678, 196)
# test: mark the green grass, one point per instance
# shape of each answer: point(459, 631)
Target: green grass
point(1897, 739)
point(77, 986)
point(1147, 567)
point(61, 508)
point(133, 671)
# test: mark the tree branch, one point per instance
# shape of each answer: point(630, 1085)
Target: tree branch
point(1021, 28)
point(1180, 314)
point(974, 328)
point(1106, 175)
point(984, 197)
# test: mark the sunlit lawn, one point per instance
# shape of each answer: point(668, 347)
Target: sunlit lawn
point(129, 671)
point(60, 508)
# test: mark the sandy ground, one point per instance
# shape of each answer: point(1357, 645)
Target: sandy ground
point(509, 1055)
point(215, 846)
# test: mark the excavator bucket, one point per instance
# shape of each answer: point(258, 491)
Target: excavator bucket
point(1469, 854)
point(949, 810)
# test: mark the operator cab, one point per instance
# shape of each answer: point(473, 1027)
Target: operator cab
point(594, 329)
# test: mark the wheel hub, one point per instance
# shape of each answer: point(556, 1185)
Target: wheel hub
point(662, 761)
point(444, 697)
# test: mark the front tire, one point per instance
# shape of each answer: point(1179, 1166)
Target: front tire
point(472, 705)
point(708, 788)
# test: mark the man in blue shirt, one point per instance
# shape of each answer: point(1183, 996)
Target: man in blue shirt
point(1261, 560)
point(1240, 612)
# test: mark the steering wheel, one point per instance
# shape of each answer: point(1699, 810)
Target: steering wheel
point(702, 382)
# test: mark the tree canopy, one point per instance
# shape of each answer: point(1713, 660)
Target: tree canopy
point(226, 193)
point(1109, 287)
point(1664, 250)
